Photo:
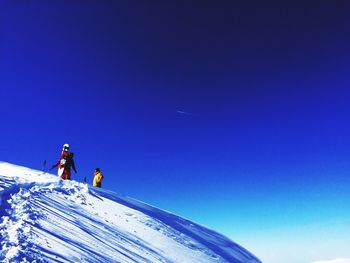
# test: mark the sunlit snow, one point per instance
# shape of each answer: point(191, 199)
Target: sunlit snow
point(45, 219)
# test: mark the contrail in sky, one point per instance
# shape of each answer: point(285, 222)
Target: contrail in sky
point(184, 113)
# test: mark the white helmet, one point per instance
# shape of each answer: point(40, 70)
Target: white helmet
point(65, 147)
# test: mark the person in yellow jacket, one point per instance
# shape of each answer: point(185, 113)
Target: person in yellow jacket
point(98, 177)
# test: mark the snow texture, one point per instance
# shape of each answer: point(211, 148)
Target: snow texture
point(45, 219)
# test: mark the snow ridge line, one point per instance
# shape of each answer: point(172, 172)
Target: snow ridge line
point(17, 221)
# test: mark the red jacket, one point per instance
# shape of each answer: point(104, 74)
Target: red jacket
point(66, 161)
point(62, 160)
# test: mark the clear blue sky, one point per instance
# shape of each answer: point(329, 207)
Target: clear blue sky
point(265, 146)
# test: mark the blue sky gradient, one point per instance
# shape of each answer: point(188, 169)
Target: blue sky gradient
point(265, 144)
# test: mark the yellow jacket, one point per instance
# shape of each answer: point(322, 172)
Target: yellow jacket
point(97, 179)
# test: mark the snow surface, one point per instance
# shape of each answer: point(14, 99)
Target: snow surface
point(45, 219)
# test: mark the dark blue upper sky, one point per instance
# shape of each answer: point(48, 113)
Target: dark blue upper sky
point(266, 86)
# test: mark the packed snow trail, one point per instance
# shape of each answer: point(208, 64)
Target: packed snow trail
point(45, 219)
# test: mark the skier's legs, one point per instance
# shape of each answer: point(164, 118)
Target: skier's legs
point(66, 175)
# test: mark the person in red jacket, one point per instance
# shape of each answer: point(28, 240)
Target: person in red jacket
point(65, 163)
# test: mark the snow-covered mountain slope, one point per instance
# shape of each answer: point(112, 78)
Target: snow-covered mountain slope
point(45, 219)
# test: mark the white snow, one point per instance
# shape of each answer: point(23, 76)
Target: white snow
point(45, 219)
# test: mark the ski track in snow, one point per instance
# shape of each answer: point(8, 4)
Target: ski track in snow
point(45, 219)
